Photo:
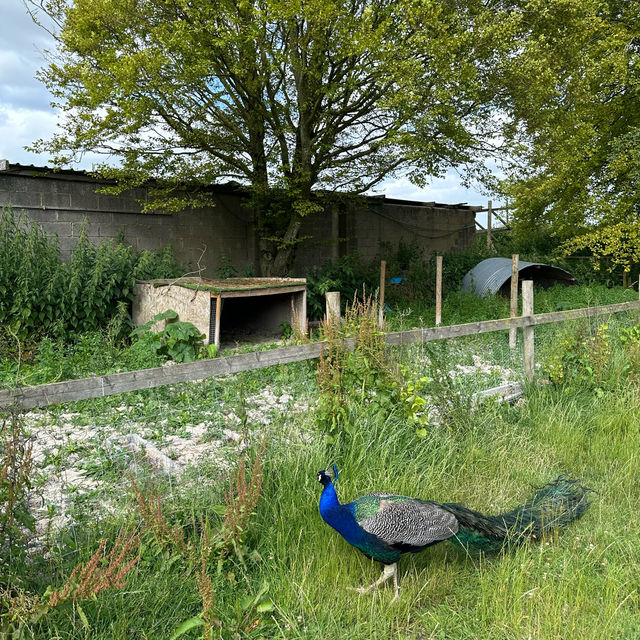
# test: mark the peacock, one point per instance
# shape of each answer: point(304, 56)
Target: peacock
point(384, 526)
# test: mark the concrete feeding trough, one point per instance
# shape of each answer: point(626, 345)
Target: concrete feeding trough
point(493, 275)
point(229, 309)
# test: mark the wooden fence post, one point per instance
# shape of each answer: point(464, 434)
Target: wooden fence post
point(438, 290)
point(332, 299)
point(513, 333)
point(489, 223)
point(528, 331)
point(383, 275)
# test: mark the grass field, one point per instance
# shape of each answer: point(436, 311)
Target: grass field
point(287, 574)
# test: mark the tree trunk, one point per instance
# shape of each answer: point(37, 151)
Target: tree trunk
point(283, 259)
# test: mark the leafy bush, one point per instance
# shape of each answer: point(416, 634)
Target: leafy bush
point(580, 358)
point(417, 269)
point(349, 275)
point(180, 341)
point(344, 376)
point(41, 295)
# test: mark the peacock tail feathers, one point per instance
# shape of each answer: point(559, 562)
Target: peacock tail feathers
point(553, 506)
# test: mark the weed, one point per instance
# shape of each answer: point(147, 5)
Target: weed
point(169, 539)
point(101, 572)
point(205, 585)
point(240, 501)
point(16, 467)
point(41, 295)
point(412, 399)
point(579, 360)
point(362, 373)
point(180, 341)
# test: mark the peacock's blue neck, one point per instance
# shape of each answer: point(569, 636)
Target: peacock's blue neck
point(328, 499)
point(340, 516)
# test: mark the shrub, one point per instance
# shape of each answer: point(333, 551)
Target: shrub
point(349, 275)
point(363, 374)
point(180, 341)
point(579, 359)
point(41, 295)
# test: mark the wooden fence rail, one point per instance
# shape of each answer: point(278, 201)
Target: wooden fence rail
point(111, 384)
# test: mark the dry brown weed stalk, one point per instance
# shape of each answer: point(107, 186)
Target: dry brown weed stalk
point(205, 585)
point(15, 471)
point(240, 500)
point(168, 538)
point(101, 572)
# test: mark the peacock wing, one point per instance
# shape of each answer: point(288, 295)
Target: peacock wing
point(404, 523)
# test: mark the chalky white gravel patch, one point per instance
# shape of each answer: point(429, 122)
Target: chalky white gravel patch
point(64, 447)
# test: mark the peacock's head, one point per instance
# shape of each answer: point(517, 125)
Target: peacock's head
point(327, 476)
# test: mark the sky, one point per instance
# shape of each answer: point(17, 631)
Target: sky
point(26, 114)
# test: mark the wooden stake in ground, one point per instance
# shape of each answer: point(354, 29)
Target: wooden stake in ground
point(489, 222)
point(332, 299)
point(383, 275)
point(513, 333)
point(528, 331)
point(438, 290)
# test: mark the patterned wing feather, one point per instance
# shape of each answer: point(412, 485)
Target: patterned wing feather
point(402, 522)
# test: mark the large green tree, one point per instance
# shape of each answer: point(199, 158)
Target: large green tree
point(292, 98)
point(571, 99)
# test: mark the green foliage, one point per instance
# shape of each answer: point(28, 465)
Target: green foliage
point(295, 560)
point(619, 242)
point(579, 359)
point(16, 466)
point(350, 276)
point(571, 89)
point(347, 376)
point(177, 340)
point(156, 264)
point(412, 400)
point(42, 296)
point(292, 99)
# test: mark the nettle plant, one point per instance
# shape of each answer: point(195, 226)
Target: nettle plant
point(580, 359)
point(179, 341)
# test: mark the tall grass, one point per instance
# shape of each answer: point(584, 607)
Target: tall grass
point(291, 579)
point(581, 583)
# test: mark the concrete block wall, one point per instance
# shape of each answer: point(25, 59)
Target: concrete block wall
point(436, 229)
point(60, 202)
point(367, 229)
point(61, 205)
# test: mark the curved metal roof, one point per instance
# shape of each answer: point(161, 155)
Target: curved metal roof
point(490, 275)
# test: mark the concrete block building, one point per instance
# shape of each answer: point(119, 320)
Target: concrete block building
point(61, 200)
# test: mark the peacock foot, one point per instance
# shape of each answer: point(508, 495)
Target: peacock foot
point(388, 571)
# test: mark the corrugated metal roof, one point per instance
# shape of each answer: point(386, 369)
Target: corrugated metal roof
point(490, 275)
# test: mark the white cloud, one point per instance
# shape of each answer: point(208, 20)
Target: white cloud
point(446, 190)
point(20, 127)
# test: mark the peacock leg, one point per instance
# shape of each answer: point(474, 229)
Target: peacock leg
point(395, 584)
point(388, 571)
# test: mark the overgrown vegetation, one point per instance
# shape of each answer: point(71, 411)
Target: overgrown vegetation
point(180, 341)
point(234, 547)
point(16, 480)
point(286, 573)
point(346, 376)
point(42, 296)
point(416, 270)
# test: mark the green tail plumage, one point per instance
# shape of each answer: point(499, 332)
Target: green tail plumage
point(553, 506)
